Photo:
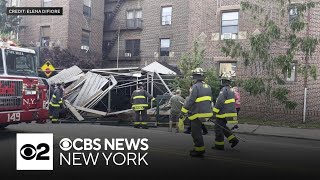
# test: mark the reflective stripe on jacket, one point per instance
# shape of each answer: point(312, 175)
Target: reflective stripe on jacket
point(139, 99)
point(225, 105)
point(56, 99)
point(198, 104)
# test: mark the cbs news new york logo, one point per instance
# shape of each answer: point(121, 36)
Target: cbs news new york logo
point(34, 151)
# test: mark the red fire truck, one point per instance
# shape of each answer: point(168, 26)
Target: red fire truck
point(23, 95)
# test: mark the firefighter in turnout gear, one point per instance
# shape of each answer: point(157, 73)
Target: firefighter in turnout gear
point(56, 102)
point(224, 108)
point(199, 109)
point(140, 105)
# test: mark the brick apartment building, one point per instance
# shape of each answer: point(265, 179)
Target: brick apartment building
point(79, 29)
point(162, 30)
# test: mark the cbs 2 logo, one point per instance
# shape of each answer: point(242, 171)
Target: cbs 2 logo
point(28, 151)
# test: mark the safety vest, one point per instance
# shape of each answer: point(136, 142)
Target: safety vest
point(56, 99)
point(139, 99)
point(225, 105)
point(198, 105)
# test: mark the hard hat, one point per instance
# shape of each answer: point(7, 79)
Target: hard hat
point(226, 76)
point(198, 71)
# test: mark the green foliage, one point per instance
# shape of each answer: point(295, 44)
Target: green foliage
point(10, 23)
point(188, 62)
point(273, 34)
point(63, 58)
point(254, 86)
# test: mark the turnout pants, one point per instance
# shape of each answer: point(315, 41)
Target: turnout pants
point(143, 121)
point(54, 113)
point(222, 130)
point(196, 133)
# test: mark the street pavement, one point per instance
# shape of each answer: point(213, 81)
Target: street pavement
point(259, 157)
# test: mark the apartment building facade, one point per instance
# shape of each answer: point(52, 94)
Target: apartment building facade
point(153, 30)
point(162, 30)
point(79, 29)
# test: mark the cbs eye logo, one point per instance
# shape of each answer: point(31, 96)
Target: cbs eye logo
point(29, 152)
point(34, 151)
point(65, 144)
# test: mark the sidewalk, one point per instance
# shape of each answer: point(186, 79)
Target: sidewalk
point(313, 134)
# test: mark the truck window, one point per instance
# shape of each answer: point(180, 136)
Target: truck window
point(1, 63)
point(20, 63)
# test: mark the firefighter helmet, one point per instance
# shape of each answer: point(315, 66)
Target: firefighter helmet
point(226, 76)
point(140, 85)
point(198, 71)
point(59, 83)
point(198, 74)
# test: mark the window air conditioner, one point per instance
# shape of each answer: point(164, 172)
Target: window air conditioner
point(227, 36)
point(127, 54)
point(85, 48)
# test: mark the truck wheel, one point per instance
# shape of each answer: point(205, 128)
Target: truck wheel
point(2, 126)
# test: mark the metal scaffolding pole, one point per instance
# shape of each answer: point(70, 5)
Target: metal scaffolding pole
point(152, 87)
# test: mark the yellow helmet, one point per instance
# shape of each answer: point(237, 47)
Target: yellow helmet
point(198, 71)
point(226, 76)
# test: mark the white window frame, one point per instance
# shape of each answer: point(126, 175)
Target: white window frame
point(46, 2)
point(165, 47)
point(166, 22)
point(233, 66)
point(229, 35)
point(82, 33)
point(87, 6)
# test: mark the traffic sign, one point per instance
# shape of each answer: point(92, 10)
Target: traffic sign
point(47, 68)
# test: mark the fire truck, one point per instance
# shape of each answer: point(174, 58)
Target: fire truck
point(23, 95)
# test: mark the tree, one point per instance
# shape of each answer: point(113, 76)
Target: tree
point(63, 58)
point(8, 24)
point(188, 62)
point(273, 48)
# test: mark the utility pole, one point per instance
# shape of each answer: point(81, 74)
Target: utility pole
point(118, 47)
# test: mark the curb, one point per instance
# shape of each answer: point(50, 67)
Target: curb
point(273, 135)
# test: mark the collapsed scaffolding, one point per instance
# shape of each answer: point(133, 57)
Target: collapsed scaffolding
point(85, 90)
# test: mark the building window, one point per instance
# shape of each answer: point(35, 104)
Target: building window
point(132, 48)
point(1, 64)
point(87, 8)
point(45, 36)
point(293, 13)
point(229, 25)
point(46, 3)
point(230, 68)
point(164, 47)
point(85, 40)
point(291, 77)
point(14, 3)
point(166, 15)
point(134, 19)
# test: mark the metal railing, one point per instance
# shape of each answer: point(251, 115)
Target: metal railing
point(134, 23)
point(125, 55)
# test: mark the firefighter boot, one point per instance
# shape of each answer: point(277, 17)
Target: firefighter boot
point(144, 125)
point(136, 124)
point(194, 153)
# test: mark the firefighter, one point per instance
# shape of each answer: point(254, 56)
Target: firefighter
point(224, 108)
point(188, 129)
point(56, 102)
point(140, 105)
point(199, 109)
